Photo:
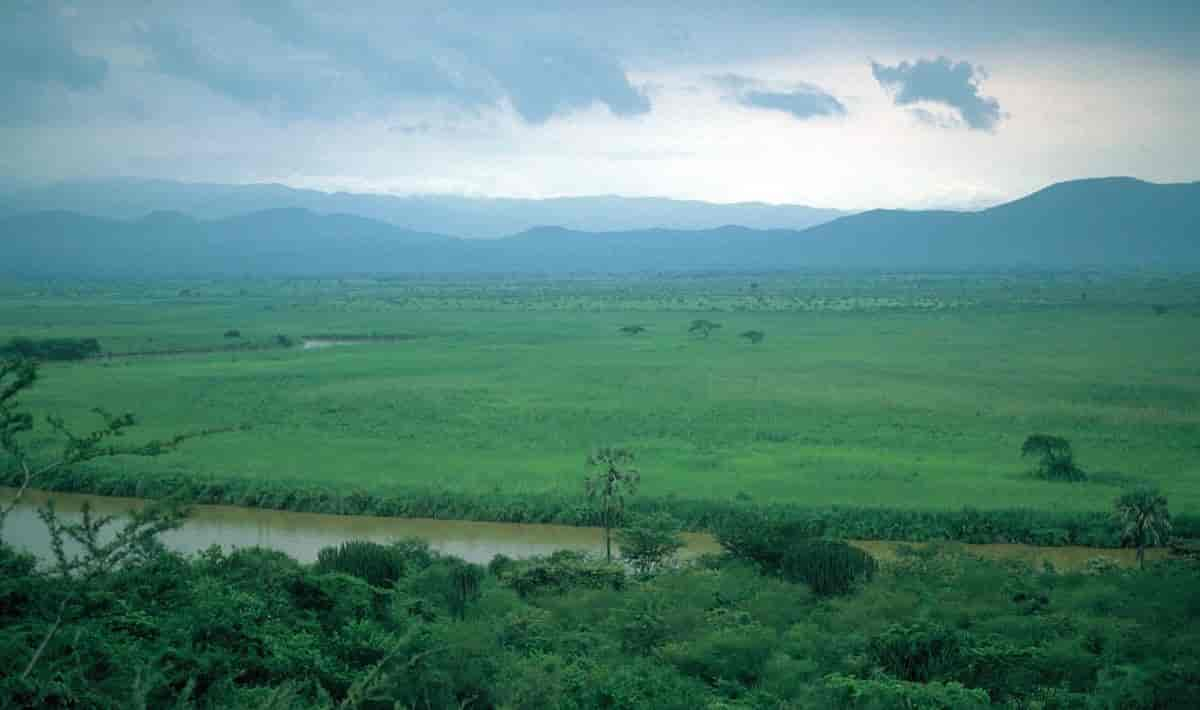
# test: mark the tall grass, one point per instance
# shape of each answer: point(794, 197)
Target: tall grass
point(1023, 526)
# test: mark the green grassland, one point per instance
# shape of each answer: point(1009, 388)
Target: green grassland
point(899, 391)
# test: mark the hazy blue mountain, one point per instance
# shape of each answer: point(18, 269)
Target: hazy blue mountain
point(1107, 223)
point(124, 198)
point(1097, 222)
point(281, 241)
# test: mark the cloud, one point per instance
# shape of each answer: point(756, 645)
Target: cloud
point(415, 73)
point(802, 101)
point(547, 78)
point(176, 53)
point(540, 74)
point(34, 48)
point(940, 81)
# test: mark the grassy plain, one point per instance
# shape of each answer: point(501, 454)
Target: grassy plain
point(904, 391)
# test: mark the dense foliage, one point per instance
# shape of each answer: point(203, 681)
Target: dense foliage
point(53, 349)
point(253, 628)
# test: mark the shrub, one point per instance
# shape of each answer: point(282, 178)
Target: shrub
point(917, 653)
point(756, 539)
point(561, 572)
point(846, 692)
point(499, 564)
point(828, 567)
point(650, 542)
point(233, 333)
point(452, 583)
point(378, 565)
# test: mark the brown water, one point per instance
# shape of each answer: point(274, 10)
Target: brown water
point(301, 535)
point(319, 344)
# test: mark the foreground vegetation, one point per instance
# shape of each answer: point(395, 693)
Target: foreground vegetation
point(374, 626)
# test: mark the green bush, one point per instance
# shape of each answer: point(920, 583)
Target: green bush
point(849, 693)
point(650, 542)
point(378, 565)
point(561, 572)
point(916, 653)
point(828, 567)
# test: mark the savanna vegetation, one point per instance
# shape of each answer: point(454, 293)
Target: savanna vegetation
point(889, 406)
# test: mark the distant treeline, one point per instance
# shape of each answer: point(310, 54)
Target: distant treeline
point(969, 525)
point(52, 349)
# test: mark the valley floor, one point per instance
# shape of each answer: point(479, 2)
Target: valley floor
point(907, 392)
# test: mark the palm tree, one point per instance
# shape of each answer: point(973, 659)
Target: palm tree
point(612, 481)
point(1145, 520)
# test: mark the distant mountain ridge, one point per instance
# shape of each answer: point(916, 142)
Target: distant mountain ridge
point(1099, 223)
point(469, 217)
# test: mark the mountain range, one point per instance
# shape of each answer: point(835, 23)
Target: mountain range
point(467, 217)
point(1094, 223)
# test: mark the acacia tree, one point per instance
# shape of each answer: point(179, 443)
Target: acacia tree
point(703, 327)
point(754, 336)
point(20, 466)
point(1145, 520)
point(650, 542)
point(76, 575)
point(633, 329)
point(1056, 460)
point(612, 480)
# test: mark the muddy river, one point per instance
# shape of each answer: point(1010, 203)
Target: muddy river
point(301, 535)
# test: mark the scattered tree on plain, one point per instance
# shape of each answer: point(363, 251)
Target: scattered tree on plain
point(1056, 460)
point(1145, 520)
point(633, 329)
point(612, 481)
point(754, 336)
point(703, 327)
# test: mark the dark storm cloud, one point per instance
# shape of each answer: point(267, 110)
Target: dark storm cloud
point(550, 77)
point(34, 48)
point(176, 53)
point(952, 84)
point(415, 74)
point(540, 75)
point(801, 101)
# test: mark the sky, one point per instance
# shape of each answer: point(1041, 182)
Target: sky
point(852, 105)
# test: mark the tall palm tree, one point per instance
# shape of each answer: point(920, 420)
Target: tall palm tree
point(1145, 520)
point(613, 480)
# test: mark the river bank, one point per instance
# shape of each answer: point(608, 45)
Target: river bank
point(300, 535)
point(968, 525)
